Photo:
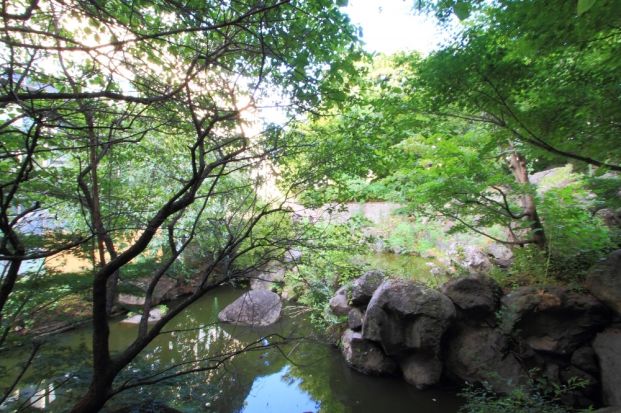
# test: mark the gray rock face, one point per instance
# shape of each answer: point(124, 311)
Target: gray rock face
point(553, 319)
point(339, 304)
point(363, 287)
point(365, 356)
point(476, 296)
point(607, 346)
point(254, 308)
point(604, 281)
point(354, 319)
point(404, 315)
point(483, 354)
point(422, 370)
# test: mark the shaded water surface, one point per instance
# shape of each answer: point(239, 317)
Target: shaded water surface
point(303, 375)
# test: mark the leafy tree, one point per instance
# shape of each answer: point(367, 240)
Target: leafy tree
point(123, 126)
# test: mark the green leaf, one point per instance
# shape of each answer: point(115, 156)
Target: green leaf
point(342, 3)
point(461, 10)
point(584, 6)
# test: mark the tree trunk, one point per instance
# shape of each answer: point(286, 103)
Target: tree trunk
point(517, 163)
point(95, 398)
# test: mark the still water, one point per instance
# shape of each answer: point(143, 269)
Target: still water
point(303, 375)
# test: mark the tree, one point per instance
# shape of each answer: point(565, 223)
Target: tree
point(442, 167)
point(544, 73)
point(125, 121)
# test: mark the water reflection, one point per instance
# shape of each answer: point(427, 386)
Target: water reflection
point(279, 392)
point(312, 378)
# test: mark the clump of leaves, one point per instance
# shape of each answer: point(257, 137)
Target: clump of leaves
point(537, 396)
point(327, 262)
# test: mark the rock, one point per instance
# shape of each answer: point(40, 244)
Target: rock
point(354, 319)
point(363, 287)
point(482, 354)
point(254, 308)
point(470, 257)
point(365, 356)
point(404, 315)
point(339, 305)
point(476, 296)
point(129, 300)
point(501, 255)
point(273, 276)
point(607, 346)
point(421, 370)
point(293, 255)
point(552, 319)
point(585, 359)
point(610, 217)
point(604, 281)
point(139, 289)
point(154, 315)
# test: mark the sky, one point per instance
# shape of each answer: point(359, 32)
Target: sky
point(390, 26)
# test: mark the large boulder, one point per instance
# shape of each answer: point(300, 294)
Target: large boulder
point(404, 315)
point(475, 295)
point(553, 319)
point(483, 354)
point(421, 369)
point(607, 346)
point(365, 356)
point(339, 304)
point(604, 281)
point(254, 308)
point(363, 287)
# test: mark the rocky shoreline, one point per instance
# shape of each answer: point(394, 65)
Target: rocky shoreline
point(471, 331)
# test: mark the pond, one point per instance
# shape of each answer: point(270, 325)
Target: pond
point(303, 375)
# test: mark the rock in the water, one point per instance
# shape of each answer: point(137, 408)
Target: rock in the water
point(481, 355)
point(604, 281)
point(365, 356)
point(254, 308)
point(553, 319)
point(339, 304)
point(154, 315)
point(354, 319)
point(475, 295)
point(422, 370)
point(607, 346)
point(404, 315)
point(363, 287)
